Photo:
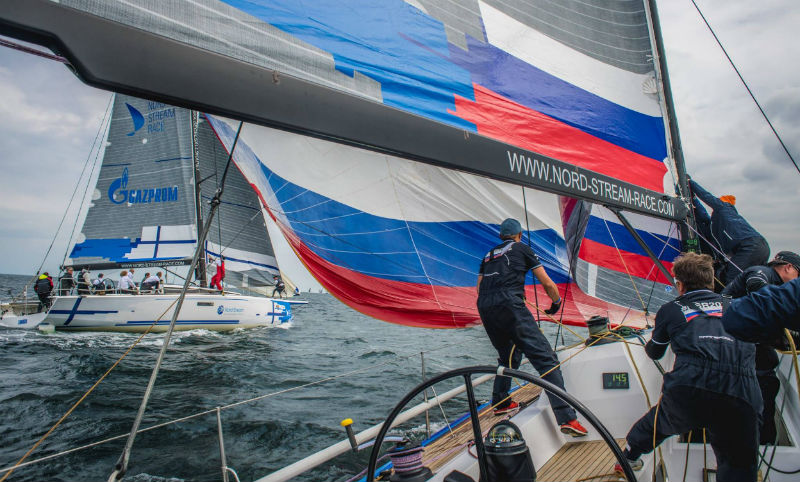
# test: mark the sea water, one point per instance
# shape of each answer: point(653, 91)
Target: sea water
point(44, 375)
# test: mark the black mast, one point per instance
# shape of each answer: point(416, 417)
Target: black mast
point(200, 271)
point(675, 148)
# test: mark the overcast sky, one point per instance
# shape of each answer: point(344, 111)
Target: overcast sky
point(48, 121)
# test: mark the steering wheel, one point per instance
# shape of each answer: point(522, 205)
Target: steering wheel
point(466, 373)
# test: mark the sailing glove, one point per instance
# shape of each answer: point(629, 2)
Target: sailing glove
point(554, 307)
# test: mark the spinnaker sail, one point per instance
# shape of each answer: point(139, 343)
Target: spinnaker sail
point(401, 241)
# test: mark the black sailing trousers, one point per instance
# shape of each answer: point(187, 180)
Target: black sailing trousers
point(509, 324)
point(731, 428)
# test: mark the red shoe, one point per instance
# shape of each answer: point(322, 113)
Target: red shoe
point(511, 407)
point(636, 465)
point(574, 428)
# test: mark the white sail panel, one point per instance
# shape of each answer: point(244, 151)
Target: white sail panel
point(616, 84)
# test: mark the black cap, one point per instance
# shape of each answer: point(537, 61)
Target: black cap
point(786, 257)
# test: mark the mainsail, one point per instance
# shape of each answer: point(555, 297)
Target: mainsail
point(143, 210)
point(562, 97)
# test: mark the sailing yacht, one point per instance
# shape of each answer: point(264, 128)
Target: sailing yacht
point(388, 139)
point(161, 166)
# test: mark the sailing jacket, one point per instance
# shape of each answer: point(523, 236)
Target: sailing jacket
point(752, 279)
point(43, 285)
point(749, 281)
point(727, 226)
point(504, 269)
point(706, 356)
point(762, 316)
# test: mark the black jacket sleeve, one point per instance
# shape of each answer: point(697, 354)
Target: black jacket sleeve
point(659, 341)
point(761, 316)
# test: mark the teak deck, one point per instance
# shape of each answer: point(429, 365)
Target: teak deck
point(580, 461)
point(440, 451)
point(575, 460)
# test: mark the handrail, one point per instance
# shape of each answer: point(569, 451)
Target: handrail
point(322, 456)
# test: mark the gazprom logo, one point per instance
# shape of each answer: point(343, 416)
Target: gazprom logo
point(220, 310)
point(136, 117)
point(118, 192)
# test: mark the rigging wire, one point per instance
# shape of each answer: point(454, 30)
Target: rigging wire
point(77, 184)
point(573, 260)
point(752, 96)
point(528, 231)
point(627, 271)
point(32, 51)
point(83, 196)
point(122, 464)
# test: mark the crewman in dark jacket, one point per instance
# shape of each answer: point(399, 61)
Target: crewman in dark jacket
point(43, 287)
point(66, 282)
point(762, 316)
point(785, 267)
point(734, 236)
point(510, 325)
point(713, 381)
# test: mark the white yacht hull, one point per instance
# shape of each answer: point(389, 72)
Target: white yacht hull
point(31, 321)
point(136, 313)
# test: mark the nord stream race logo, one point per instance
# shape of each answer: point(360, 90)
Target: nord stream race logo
point(221, 309)
point(157, 113)
point(119, 193)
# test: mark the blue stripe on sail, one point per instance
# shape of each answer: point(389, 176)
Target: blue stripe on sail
point(598, 230)
point(413, 78)
point(116, 249)
point(447, 253)
point(442, 253)
point(407, 52)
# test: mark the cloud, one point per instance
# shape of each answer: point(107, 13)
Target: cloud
point(727, 144)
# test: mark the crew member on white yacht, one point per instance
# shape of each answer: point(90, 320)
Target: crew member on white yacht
point(510, 325)
point(150, 283)
point(783, 268)
point(126, 284)
point(713, 381)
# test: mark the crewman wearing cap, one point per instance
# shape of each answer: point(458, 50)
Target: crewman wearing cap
point(783, 268)
point(733, 235)
point(510, 324)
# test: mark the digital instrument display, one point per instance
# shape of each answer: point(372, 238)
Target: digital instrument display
point(616, 380)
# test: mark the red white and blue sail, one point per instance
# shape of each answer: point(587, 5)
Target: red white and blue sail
point(402, 241)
